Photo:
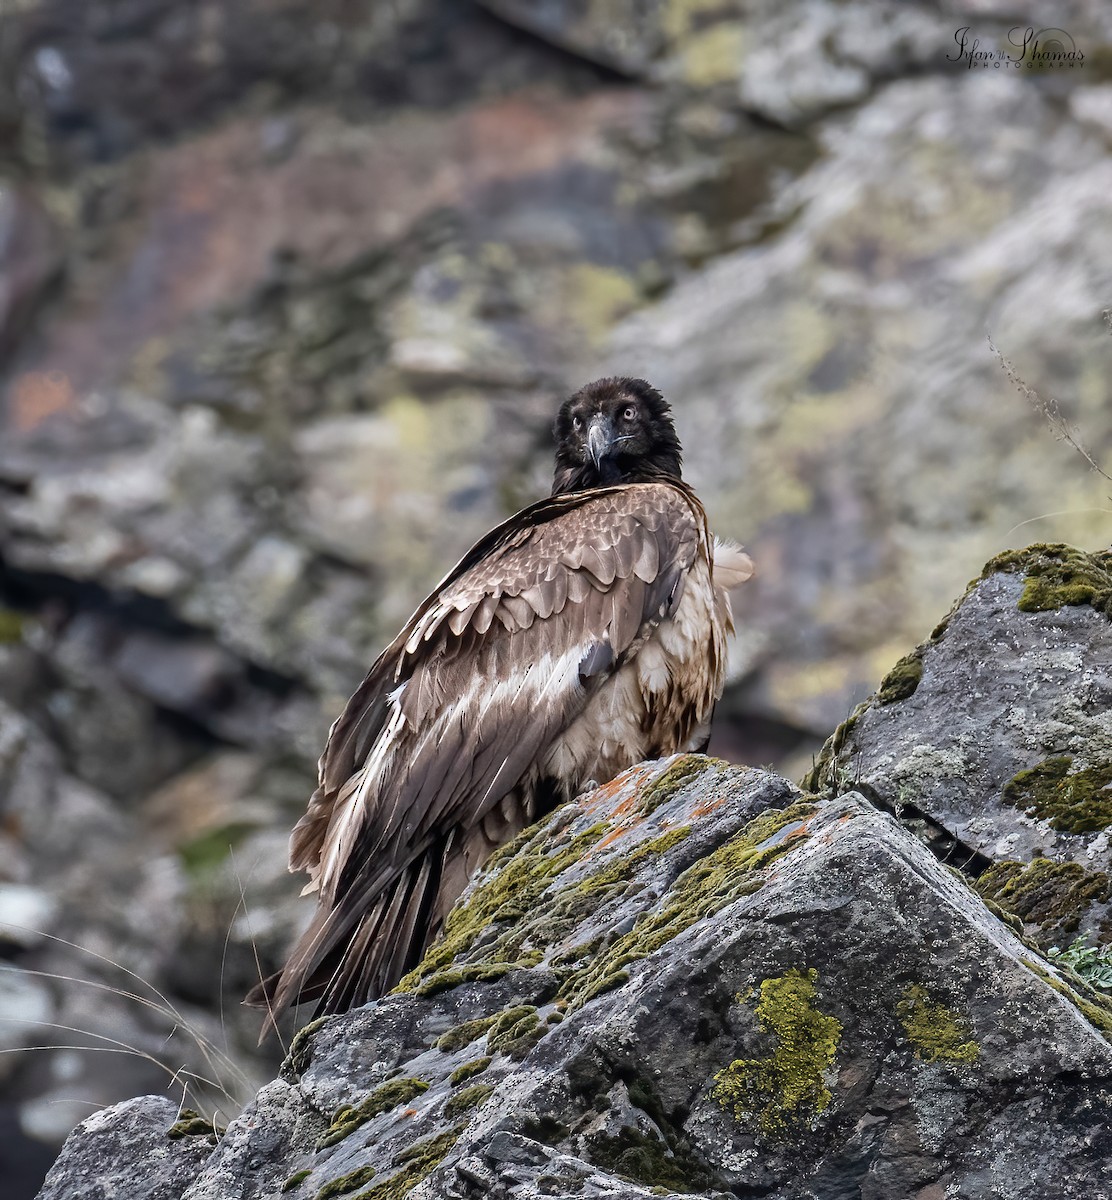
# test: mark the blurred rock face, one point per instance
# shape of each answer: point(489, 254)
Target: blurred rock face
point(288, 296)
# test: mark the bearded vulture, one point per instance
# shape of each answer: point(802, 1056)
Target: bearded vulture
point(581, 636)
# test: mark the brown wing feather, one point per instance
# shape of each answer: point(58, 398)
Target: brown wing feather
point(460, 707)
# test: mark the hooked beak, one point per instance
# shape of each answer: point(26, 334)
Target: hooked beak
point(600, 438)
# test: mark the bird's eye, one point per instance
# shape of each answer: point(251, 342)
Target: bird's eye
point(629, 413)
point(577, 422)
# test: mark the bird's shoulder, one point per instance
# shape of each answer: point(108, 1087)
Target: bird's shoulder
point(556, 552)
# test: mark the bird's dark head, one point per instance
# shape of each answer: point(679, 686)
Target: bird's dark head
point(614, 431)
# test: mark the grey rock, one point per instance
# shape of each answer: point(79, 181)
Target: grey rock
point(162, 1166)
point(1014, 681)
point(807, 1003)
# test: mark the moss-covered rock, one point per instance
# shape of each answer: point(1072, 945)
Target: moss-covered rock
point(383, 1099)
point(993, 739)
point(1051, 897)
point(1074, 801)
point(745, 992)
point(1057, 575)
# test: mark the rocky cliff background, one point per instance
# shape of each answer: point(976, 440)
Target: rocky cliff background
point(288, 294)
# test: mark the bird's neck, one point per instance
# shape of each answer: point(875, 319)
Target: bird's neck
point(580, 477)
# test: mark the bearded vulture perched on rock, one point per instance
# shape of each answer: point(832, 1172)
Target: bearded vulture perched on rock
point(583, 635)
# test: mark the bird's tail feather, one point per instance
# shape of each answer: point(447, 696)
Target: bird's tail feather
point(352, 953)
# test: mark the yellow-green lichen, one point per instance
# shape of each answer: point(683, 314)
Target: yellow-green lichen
point(786, 1090)
point(467, 1098)
point(734, 870)
point(469, 1070)
point(1053, 896)
point(680, 773)
point(389, 1096)
point(1069, 801)
point(1057, 575)
point(296, 1178)
point(936, 1033)
point(902, 680)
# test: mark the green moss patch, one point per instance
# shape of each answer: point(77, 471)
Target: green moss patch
point(1057, 575)
point(346, 1184)
point(469, 1070)
point(514, 1032)
point(296, 1178)
point(1072, 802)
point(468, 1098)
point(389, 1096)
point(192, 1124)
point(936, 1033)
point(902, 680)
point(572, 904)
point(786, 1090)
point(485, 972)
point(647, 1161)
point(417, 1162)
point(516, 887)
point(734, 870)
point(464, 1034)
point(1051, 895)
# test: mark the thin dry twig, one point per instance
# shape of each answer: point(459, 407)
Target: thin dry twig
point(1050, 410)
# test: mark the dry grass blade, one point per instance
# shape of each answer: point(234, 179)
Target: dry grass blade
point(219, 1063)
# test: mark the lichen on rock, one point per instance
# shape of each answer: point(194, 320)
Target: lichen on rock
point(787, 1089)
point(936, 1033)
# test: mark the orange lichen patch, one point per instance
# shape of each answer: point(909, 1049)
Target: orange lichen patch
point(615, 834)
point(628, 779)
point(708, 806)
point(629, 805)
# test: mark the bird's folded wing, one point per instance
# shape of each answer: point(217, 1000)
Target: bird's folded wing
point(488, 670)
